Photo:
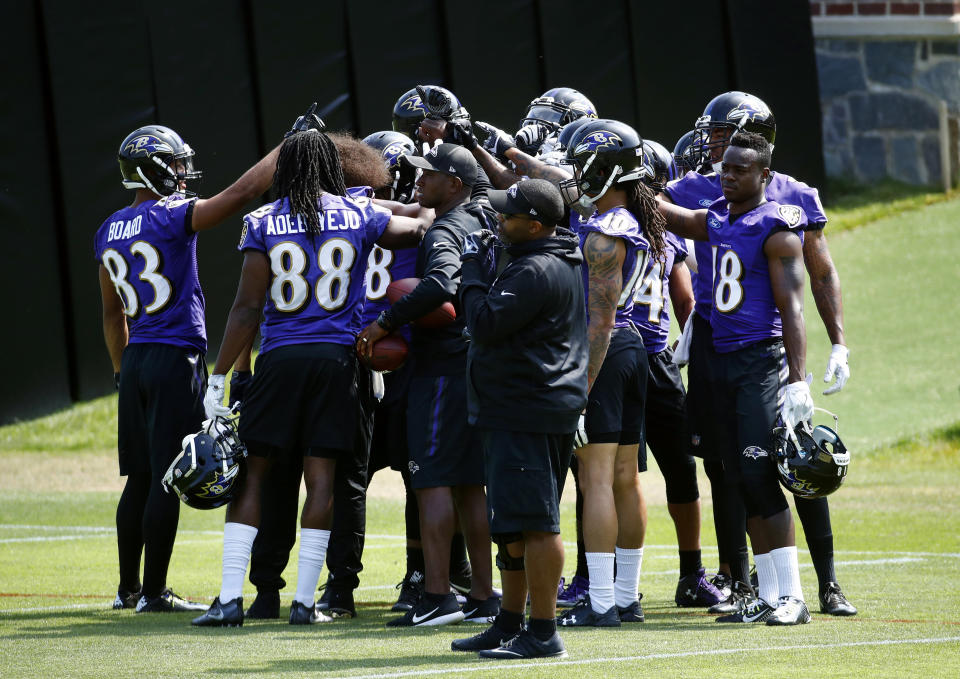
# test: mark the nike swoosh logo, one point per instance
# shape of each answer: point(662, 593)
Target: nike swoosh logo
point(418, 619)
point(504, 293)
point(751, 617)
point(468, 614)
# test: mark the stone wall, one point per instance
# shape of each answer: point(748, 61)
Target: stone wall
point(889, 89)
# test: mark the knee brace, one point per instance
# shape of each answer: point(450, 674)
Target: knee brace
point(505, 562)
point(680, 474)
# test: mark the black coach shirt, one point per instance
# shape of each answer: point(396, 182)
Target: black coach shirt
point(527, 365)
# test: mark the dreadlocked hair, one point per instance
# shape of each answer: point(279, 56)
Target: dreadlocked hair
point(308, 167)
point(642, 204)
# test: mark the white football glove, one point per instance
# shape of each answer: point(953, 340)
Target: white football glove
point(837, 367)
point(213, 401)
point(580, 437)
point(797, 406)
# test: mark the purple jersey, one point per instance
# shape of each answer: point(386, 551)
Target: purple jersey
point(317, 289)
point(150, 252)
point(695, 191)
point(617, 223)
point(651, 295)
point(384, 267)
point(744, 311)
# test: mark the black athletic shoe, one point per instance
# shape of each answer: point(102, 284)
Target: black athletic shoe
point(411, 587)
point(631, 613)
point(695, 591)
point(583, 615)
point(790, 611)
point(832, 601)
point(475, 610)
point(445, 612)
point(338, 603)
point(492, 637)
point(301, 614)
point(168, 602)
point(753, 610)
point(739, 594)
point(723, 583)
point(462, 581)
point(266, 606)
point(125, 599)
point(525, 645)
point(229, 614)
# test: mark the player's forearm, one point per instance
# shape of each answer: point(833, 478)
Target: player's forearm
point(238, 336)
point(598, 339)
point(499, 175)
point(825, 285)
point(795, 343)
point(684, 222)
point(115, 335)
point(535, 169)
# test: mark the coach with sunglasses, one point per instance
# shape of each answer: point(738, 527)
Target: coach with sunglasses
point(526, 388)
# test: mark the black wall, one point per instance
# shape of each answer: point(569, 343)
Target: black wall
point(231, 75)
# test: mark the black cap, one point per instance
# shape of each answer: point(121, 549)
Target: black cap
point(535, 197)
point(449, 159)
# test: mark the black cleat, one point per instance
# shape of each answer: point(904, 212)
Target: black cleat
point(126, 599)
point(583, 615)
point(631, 613)
point(410, 590)
point(266, 606)
point(301, 614)
point(430, 614)
point(739, 595)
point(526, 645)
point(168, 602)
point(723, 583)
point(751, 610)
point(475, 610)
point(791, 611)
point(695, 591)
point(492, 637)
point(338, 603)
point(833, 602)
point(229, 614)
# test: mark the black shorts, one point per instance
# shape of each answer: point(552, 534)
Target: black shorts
point(303, 401)
point(444, 449)
point(747, 388)
point(525, 476)
point(667, 432)
point(161, 401)
point(701, 404)
point(389, 447)
point(615, 409)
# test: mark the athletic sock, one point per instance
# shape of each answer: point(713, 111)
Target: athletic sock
point(459, 563)
point(788, 571)
point(628, 576)
point(237, 543)
point(508, 621)
point(821, 553)
point(767, 589)
point(600, 568)
point(313, 551)
point(415, 560)
point(542, 629)
point(740, 565)
point(691, 561)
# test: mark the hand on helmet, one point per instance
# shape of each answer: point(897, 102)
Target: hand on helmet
point(797, 406)
point(837, 367)
point(460, 132)
point(496, 141)
point(213, 401)
point(308, 121)
point(530, 137)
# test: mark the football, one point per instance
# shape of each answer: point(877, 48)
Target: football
point(442, 316)
point(388, 354)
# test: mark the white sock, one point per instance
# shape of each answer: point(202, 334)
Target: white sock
point(313, 551)
point(600, 567)
point(237, 544)
point(628, 576)
point(788, 571)
point(767, 578)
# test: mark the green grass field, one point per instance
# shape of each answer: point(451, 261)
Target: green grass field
point(896, 524)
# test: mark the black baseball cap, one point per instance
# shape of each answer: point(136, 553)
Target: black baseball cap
point(449, 159)
point(535, 197)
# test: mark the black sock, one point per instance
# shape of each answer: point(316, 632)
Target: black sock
point(459, 563)
point(415, 560)
point(508, 621)
point(582, 569)
point(434, 599)
point(542, 629)
point(740, 565)
point(690, 562)
point(821, 553)
point(130, 509)
point(814, 515)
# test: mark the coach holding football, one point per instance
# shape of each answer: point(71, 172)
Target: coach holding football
point(526, 388)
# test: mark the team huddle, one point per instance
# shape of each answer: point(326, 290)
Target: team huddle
point(482, 312)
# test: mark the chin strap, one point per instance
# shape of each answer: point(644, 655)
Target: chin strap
point(588, 201)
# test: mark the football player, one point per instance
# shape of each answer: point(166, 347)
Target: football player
point(725, 116)
point(445, 462)
point(155, 332)
point(759, 340)
point(625, 229)
point(306, 255)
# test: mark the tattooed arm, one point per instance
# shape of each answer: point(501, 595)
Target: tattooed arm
point(824, 284)
point(535, 169)
point(500, 176)
point(683, 222)
point(604, 256)
point(785, 260)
